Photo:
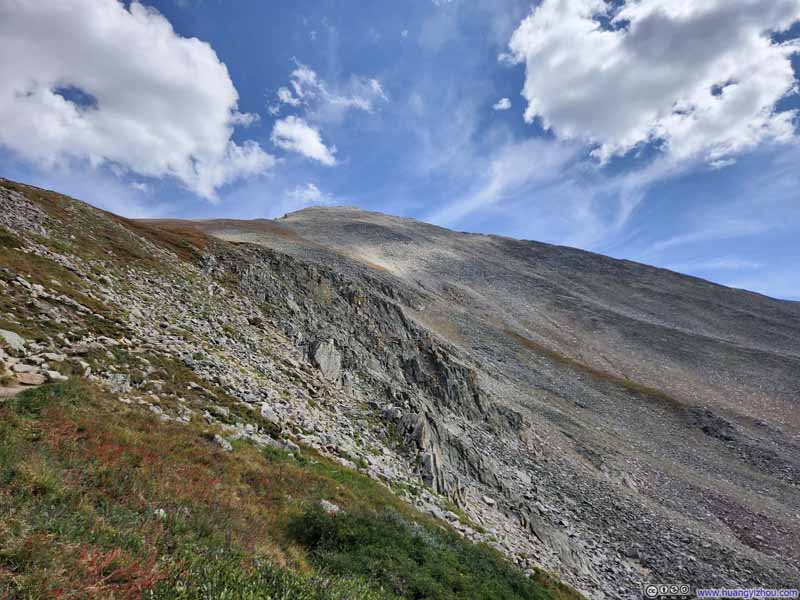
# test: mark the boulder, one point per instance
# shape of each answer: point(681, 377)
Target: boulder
point(327, 359)
point(222, 443)
point(329, 507)
point(269, 415)
point(79, 349)
point(55, 376)
point(30, 378)
point(12, 340)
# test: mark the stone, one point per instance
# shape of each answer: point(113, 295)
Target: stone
point(292, 305)
point(222, 443)
point(220, 411)
point(12, 340)
point(119, 383)
point(392, 413)
point(327, 359)
point(30, 378)
point(55, 376)
point(21, 368)
point(329, 507)
point(489, 501)
point(269, 415)
point(290, 446)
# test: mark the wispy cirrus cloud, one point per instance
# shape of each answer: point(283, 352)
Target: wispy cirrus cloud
point(722, 230)
point(729, 263)
point(323, 101)
point(514, 168)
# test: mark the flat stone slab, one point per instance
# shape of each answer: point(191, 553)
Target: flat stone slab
point(10, 392)
point(30, 378)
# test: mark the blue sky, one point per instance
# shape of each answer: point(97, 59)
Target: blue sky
point(659, 131)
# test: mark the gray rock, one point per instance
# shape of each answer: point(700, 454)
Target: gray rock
point(222, 443)
point(290, 446)
point(220, 411)
point(55, 376)
point(329, 507)
point(79, 349)
point(118, 383)
point(30, 378)
point(269, 414)
point(12, 341)
point(327, 359)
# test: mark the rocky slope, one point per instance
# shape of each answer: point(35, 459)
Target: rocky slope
point(606, 420)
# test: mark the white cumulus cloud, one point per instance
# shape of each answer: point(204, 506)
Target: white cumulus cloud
point(92, 80)
point(700, 78)
point(296, 135)
point(309, 194)
point(502, 104)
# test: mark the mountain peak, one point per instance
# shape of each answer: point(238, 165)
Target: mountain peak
point(341, 371)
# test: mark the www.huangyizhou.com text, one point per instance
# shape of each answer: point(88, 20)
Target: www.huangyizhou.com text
point(747, 593)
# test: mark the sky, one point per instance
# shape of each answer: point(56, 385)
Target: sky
point(660, 131)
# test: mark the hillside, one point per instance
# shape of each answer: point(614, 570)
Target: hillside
point(603, 420)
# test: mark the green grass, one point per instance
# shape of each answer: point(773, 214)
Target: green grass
point(221, 576)
point(103, 500)
point(8, 239)
point(409, 559)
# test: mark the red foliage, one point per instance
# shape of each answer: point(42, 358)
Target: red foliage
point(112, 574)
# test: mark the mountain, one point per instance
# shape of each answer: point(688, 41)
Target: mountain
point(607, 421)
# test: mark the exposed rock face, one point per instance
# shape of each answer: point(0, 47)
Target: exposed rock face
point(608, 421)
point(566, 387)
point(18, 213)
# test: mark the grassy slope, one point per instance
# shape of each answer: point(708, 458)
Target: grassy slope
point(104, 500)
